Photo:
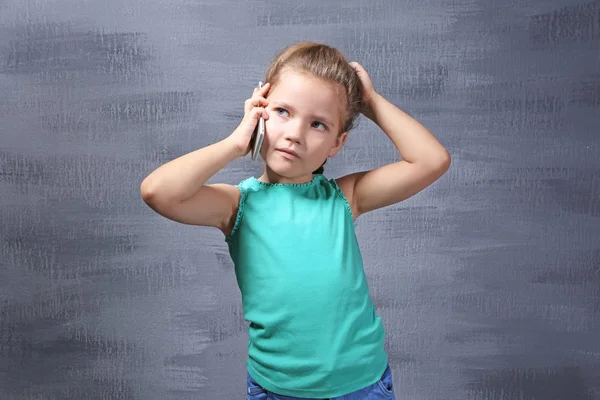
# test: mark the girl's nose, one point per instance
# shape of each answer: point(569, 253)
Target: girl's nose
point(294, 133)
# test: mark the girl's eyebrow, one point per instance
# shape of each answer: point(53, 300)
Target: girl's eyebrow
point(285, 105)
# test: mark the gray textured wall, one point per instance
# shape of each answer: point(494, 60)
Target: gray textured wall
point(488, 281)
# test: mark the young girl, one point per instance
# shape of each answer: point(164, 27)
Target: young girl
point(313, 331)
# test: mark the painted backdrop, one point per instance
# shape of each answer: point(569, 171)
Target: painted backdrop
point(488, 281)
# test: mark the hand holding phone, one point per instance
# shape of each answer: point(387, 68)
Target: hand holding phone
point(258, 135)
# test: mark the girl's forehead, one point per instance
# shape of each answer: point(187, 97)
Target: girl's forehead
point(305, 92)
point(292, 81)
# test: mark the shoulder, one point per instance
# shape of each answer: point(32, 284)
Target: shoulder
point(345, 186)
point(239, 195)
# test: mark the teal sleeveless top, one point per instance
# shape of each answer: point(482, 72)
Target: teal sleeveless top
point(313, 329)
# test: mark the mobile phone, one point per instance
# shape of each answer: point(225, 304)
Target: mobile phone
point(259, 134)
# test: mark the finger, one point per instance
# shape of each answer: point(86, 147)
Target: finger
point(258, 101)
point(249, 104)
point(258, 98)
point(265, 88)
point(258, 112)
point(357, 67)
point(255, 101)
point(253, 114)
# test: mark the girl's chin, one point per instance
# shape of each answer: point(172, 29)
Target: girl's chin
point(284, 169)
point(276, 162)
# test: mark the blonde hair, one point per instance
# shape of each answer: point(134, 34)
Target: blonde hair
point(326, 63)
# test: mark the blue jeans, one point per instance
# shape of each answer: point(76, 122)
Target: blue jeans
point(382, 389)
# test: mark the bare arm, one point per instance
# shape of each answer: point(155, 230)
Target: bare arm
point(424, 157)
point(177, 189)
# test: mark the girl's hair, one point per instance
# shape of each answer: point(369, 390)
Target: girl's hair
point(326, 63)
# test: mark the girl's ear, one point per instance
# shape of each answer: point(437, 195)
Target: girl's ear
point(340, 140)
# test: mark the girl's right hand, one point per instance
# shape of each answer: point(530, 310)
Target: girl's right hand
point(254, 108)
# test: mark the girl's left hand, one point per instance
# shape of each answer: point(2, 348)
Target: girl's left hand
point(367, 86)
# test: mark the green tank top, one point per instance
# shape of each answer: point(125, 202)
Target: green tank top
point(313, 330)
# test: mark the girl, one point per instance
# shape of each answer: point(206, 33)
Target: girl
point(313, 331)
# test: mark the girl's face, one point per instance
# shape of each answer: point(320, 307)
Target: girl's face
point(304, 120)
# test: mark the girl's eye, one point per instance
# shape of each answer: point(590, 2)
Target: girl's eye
point(319, 123)
point(280, 110)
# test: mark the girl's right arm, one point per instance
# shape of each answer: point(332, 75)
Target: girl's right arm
point(177, 189)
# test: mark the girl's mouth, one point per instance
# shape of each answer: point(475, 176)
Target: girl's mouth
point(288, 153)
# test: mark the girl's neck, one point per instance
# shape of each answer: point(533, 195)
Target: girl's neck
point(269, 176)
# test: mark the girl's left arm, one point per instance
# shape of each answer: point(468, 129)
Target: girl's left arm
point(424, 159)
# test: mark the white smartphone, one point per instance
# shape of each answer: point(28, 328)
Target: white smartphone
point(259, 134)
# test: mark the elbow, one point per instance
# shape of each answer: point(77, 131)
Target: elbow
point(155, 195)
point(444, 161)
point(440, 163)
point(151, 196)
point(148, 191)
